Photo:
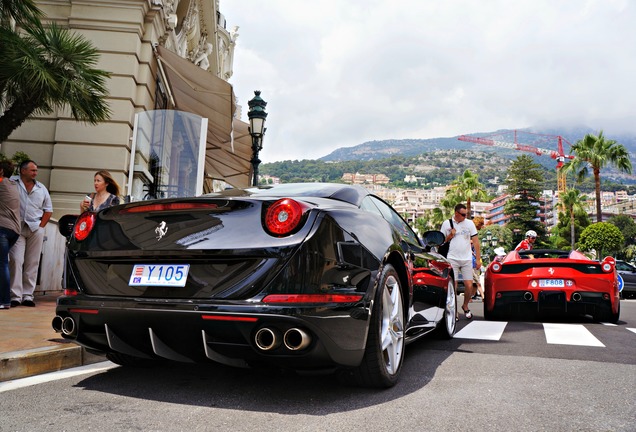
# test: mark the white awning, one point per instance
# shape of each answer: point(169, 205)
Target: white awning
point(229, 144)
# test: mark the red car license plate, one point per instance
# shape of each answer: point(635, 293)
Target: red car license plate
point(169, 275)
point(551, 283)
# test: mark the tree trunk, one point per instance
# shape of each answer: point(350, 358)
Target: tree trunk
point(597, 185)
point(17, 113)
point(572, 227)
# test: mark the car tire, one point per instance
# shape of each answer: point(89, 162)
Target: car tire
point(613, 317)
point(489, 315)
point(384, 352)
point(448, 324)
point(130, 361)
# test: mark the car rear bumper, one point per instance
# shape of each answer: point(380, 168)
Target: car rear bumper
point(233, 334)
point(551, 302)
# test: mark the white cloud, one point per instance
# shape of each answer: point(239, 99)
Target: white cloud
point(336, 74)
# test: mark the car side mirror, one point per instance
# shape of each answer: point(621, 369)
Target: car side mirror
point(433, 238)
point(66, 224)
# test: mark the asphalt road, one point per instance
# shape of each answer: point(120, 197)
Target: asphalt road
point(514, 376)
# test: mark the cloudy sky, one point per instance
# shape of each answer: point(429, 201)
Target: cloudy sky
point(337, 73)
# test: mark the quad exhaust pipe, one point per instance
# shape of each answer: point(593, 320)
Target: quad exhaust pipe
point(294, 339)
point(57, 323)
point(64, 325)
point(267, 339)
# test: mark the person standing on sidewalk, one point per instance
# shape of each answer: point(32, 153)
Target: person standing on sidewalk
point(35, 211)
point(462, 235)
point(9, 228)
point(106, 193)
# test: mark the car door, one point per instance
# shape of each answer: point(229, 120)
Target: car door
point(424, 310)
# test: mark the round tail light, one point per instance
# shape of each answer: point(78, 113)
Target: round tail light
point(284, 216)
point(84, 226)
point(607, 265)
point(496, 267)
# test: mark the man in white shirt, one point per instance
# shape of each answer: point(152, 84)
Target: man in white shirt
point(36, 209)
point(462, 235)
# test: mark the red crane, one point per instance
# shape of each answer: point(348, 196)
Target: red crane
point(557, 154)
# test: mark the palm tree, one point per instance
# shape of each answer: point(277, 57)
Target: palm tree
point(43, 68)
point(596, 152)
point(466, 188)
point(572, 201)
point(20, 11)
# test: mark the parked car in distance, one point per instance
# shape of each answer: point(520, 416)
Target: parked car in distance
point(548, 282)
point(307, 277)
point(628, 273)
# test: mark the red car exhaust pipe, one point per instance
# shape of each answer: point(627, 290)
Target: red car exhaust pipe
point(267, 339)
point(527, 296)
point(296, 339)
point(576, 296)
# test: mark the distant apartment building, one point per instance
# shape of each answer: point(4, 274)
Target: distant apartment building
point(496, 214)
point(479, 209)
point(363, 179)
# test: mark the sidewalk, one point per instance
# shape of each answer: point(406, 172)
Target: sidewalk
point(29, 346)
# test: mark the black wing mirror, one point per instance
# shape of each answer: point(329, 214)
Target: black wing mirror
point(433, 238)
point(66, 224)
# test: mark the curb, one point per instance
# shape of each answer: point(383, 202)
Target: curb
point(22, 364)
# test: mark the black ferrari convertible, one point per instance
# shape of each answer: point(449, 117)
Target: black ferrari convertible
point(302, 276)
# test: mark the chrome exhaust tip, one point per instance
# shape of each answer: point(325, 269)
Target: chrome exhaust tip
point(527, 296)
point(576, 296)
point(57, 323)
point(68, 326)
point(296, 339)
point(267, 339)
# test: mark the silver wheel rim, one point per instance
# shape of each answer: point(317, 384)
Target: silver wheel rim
point(392, 325)
point(451, 308)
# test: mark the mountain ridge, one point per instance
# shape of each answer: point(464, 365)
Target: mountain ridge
point(378, 149)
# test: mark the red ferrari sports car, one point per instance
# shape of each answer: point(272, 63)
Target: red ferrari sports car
point(551, 282)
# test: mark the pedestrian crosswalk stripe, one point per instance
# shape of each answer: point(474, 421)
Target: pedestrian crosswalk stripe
point(609, 324)
point(570, 334)
point(631, 329)
point(484, 330)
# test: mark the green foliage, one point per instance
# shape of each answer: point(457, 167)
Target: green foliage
point(503, 235)
point(435, 168)
point(465, 189)
point(17, 159)
point(595, 153)
point(524, 186)
point(562, 232)
point(627, 227)
point(603, 237)
point(46, 67)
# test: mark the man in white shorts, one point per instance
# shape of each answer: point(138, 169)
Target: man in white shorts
point(462, 235)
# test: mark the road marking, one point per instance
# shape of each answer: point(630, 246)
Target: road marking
point(631, 329)
point(484, 330)
point(570, 334)
point(54, 376)
point(609, 324)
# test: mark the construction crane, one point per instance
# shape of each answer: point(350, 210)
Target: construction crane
point(558, 154)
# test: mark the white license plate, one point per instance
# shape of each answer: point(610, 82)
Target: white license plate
point(169, 275)
point(551, 283)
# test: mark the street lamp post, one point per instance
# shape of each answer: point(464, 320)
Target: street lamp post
point(257, 116)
